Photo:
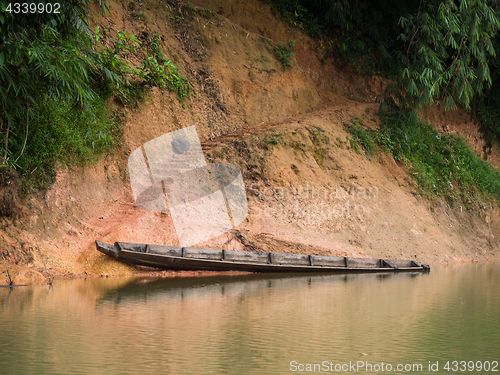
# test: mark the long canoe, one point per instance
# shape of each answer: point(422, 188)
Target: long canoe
point(190, 258)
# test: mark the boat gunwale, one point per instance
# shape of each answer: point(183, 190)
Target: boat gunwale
point(278, 266)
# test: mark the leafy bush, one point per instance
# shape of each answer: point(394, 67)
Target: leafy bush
point(448, 58)
point(166, 75)
point(55, 77)
point(154, 69)
point(487, 108)
point(285, 52)
point(117, 70)
point(441, 165)
point(60, 133)
point(435, 50)
point(360, 136)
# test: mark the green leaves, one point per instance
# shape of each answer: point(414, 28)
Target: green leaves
point(285, 51)
point(122, 78)
point(44, 58)
point(442, 165)
point(447, 52)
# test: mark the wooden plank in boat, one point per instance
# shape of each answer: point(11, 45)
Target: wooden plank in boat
point(364, 263)
point(197, 253)
point(395, 263)
point(173, 251)
point(327, 261)
point(247, 256)
point(291, 259)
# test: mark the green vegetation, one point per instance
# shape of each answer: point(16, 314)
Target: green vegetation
point(53, 142)
point(155, 46)
point(319, 139)
point(318, 136)
point(273, 139)
point(161, 72)
point(448, 58)
point(487, 107)
point(434, 50)
point(56, 77)
point(442, 165)
point(47, 60)
point(154, 70)
point(285, 52)
point(319, 155)
point(221, 153)
point(364, 35)
point(206, 12)
point(177, 19)
point(360, 136)
point(116, 69)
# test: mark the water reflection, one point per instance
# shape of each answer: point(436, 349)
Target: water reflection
point(251, 324)
point(147, 289)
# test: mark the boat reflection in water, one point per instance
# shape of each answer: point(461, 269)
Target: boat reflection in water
point(141, 289)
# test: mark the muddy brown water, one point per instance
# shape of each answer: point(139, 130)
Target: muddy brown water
point(256, 324)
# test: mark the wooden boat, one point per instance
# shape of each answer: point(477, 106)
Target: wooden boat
point(190, 258)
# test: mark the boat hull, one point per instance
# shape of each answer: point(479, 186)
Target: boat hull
point(195, 259)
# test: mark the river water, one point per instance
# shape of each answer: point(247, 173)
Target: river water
point(257, 324)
